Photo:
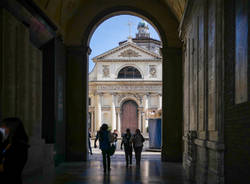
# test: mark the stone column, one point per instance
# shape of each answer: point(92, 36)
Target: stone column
point(118, 120)
point(160, 101)
point(146, 109)
point(172, 104)
point(77, 103)
point(92, 122)
point(113, 113)
point(139, 119)
point(98, 113)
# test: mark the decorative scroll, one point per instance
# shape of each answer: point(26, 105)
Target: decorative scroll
point(241, 51)
point(129, 53)
point(105, 70)
point(152, 71)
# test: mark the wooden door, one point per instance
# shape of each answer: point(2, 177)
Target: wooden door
point(129, 116)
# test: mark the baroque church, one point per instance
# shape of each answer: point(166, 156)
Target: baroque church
point(125, 86)
point(199, 82)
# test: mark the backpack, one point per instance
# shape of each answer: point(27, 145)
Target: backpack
point(126, 140)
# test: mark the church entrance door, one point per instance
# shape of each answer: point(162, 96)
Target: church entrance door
point(129, 116)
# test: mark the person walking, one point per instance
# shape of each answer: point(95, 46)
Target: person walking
point(105, 139)
point(89, 143)
point(15, 153)
point(115, 137)
point(137, 140)
point(126, 141)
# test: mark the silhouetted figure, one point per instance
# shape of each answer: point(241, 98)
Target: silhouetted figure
point(2, 132)
point(127, 142)
point(115, 137)
point(15, 152)
point(105, 139)
point(89, 137)
point(138, 140)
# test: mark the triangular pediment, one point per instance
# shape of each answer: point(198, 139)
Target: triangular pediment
point(127, 51)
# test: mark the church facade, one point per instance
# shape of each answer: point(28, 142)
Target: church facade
point(125, 86)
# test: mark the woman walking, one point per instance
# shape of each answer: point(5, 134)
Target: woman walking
point(138, 140)
point(105, 139)
point(15, 152)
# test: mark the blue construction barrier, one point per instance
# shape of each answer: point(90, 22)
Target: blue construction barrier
point(154, 130)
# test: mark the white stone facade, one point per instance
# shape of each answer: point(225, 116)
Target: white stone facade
point(108, 92)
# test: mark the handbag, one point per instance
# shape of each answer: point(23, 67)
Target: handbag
point(112, 149)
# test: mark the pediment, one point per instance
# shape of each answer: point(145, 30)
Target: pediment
point(127, 51)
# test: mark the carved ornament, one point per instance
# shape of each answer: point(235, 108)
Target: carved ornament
point(129, 53)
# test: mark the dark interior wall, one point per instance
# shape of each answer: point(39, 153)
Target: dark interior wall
point(237, 116)
point(1, 53)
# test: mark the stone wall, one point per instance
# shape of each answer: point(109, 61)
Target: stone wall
point(21, 88)
point(237, 116)
point(203, 67)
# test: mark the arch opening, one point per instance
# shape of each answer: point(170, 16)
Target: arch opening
point(129, 72)
point(168, 77)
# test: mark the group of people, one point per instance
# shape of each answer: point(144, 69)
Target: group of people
point(13, 150)
point(129, 142)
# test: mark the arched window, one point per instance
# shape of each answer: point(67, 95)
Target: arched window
point(129, 72)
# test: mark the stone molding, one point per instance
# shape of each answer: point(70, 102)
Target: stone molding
point(128, 88)
point(124, 97)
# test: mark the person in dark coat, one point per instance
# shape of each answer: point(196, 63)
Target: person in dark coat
point(126, 141)
point(105, 139)
point(15, 152)
point(138, 140)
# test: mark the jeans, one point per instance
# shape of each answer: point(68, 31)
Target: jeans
point(128, 155)
point(105, 158)
point(138, 151)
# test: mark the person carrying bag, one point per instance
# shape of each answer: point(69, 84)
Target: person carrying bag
point(105, 139)
point(138, 140)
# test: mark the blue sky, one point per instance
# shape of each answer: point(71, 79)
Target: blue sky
point(108, 34)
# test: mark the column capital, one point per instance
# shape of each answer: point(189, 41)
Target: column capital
point(118, 109)
point(140, 109)
point(99, 94)
point(114, 93)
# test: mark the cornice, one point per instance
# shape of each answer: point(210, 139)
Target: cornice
point(99, 57)
point(128, 60)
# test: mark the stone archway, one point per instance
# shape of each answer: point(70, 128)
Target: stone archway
point(77, 69)
point(129, 116)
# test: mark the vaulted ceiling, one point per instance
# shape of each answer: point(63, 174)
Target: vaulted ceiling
point(177, 7)
point(61, 11)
